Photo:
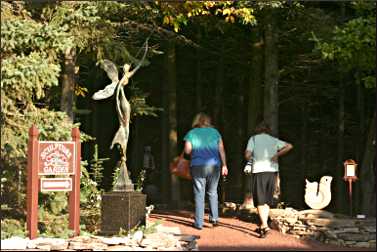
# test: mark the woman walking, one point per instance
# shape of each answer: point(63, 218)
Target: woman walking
point(264, 150)
point(208, 161)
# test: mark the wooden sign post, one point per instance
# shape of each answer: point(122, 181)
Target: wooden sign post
point(74, 196)
point(32, 183)
point(53, 158)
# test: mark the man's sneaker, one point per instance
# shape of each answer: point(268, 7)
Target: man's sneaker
point(214, 223)
point(258, 230)
point(196, 227)
point(263, 232)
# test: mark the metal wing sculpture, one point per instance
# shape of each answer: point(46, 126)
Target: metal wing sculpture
point(123, 109)
point(112, 73)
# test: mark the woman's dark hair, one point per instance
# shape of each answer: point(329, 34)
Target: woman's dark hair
point(263, 127)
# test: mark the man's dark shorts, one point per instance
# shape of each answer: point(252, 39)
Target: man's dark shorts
point(263, 186)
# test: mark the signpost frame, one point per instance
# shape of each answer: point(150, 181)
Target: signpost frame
point(64, 160)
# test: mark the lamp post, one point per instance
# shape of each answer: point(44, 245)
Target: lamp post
point(350, 176)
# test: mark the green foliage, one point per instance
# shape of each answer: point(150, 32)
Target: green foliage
point(179, 14)
point(12, 227)
point(23, 75)
point(236, 10)
point(353, 46)
point(30, 67)
point(90, 201)
point(151, 228)
point(52, 202)
point(140, 180)
point(269, 4)
point(32, 43)
point(11, 195)
point(116, 174)
point(139, 105)
point(28, 35)
point(122, 232)
point(53, 218)
point(145, 229)
point(27, 73)
point(80, 19)
point(96, 165)
point(53, 225)
point(90, 196)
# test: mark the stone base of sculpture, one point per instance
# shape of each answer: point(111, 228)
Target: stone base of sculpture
point(122, 210)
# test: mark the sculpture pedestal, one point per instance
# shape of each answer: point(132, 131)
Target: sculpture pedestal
point(122, 210)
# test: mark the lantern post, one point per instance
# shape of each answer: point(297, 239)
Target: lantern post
point(350, 176)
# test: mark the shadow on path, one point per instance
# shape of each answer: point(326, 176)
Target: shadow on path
point(233, 234)
point(179, 215)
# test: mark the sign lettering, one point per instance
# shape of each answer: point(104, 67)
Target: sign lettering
point(56, 158)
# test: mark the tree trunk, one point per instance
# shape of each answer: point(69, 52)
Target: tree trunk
point(341, 193)
point(361, 112)
point(360, 136)
point(239, 137)
point(255, 86)
point(68, 83)
point(255, 107)
point(172, 94)
point(271, 98)
point(198, 84)
point(217, 110)
point(368, 172)
point(304, 141)
point(165, 173)
point(323, 138)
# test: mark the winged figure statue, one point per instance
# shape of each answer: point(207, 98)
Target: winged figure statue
point(123, 108)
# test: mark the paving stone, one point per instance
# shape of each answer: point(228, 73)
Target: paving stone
point(98, 246)
point(121, 248)
point(171, 230)
point(112, 240)
point(188, 238)
point(14, 243)
point(45, 247)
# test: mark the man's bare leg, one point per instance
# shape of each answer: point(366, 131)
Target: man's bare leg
point(247, 202)
point(263, 212)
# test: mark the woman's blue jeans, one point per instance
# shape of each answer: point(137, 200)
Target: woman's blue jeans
point(205, 177)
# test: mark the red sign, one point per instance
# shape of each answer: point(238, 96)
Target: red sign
point(53, 158)
point(56, 158)
point(56, 184)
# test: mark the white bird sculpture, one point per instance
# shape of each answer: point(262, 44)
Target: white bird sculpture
point(318, 196)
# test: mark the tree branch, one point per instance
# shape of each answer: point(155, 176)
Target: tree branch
point(164, 32)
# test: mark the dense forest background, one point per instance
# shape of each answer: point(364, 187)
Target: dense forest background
point(308, 68)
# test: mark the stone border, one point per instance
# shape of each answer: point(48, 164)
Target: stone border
point(165, 238)
point(317, 225)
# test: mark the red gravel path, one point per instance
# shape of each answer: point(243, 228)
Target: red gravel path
point(234, 234)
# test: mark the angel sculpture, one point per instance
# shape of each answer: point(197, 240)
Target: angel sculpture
point(123, 108)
